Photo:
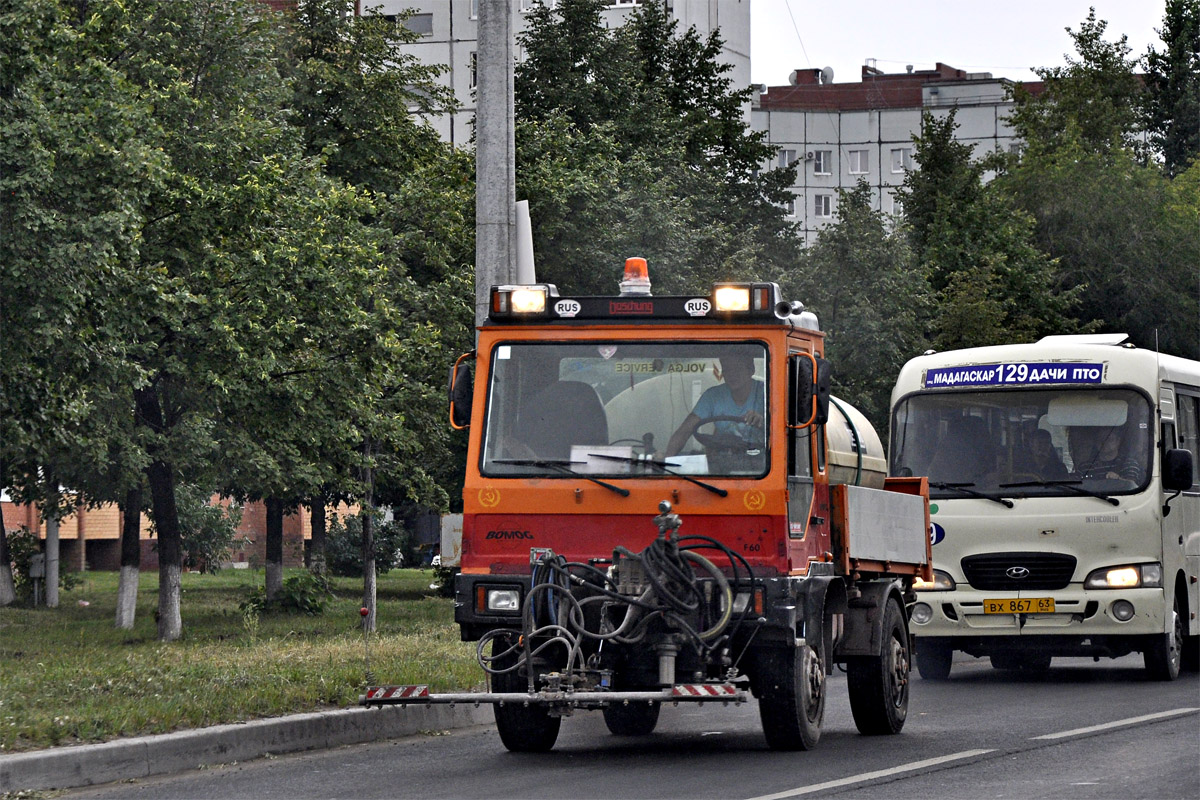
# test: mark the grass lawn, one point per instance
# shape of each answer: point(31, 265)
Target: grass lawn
point(68, 675)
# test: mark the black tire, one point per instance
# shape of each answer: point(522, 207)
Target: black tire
point(933, 660)
point(791, 697)
point(522, 728)
point(879, 684)
point(635, 719)
point(1164, 654)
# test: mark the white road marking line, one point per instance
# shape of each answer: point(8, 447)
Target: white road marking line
point(870, 776)
point(1117, 724)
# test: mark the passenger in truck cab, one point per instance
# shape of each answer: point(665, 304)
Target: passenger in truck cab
point(1098, 453)
point(739, 402)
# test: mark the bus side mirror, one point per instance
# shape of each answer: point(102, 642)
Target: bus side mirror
point(461, 391)
point(808, 390)
point(1177, 470)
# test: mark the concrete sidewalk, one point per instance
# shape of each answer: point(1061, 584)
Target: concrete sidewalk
point(138, 757)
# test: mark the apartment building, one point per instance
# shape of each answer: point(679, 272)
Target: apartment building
point(842, 133)
point(449, 36)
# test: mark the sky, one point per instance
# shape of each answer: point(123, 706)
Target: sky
point(1003, 37)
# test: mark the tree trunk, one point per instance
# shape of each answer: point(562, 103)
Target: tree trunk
point(52, 550)
point(274, 547)
point(8, 590)
point(160, 475)
point(170, 552)
point(316, 546)
point(131, 559)
point(368, 543)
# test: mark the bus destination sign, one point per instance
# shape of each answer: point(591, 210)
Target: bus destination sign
point(1019, 373)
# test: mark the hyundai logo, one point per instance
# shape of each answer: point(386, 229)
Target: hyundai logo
point(1017, 573)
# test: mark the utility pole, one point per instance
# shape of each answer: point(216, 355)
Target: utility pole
point(495, 154)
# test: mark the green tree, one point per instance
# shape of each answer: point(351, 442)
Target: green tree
point(1107, 217)
point(76, 172)
point(353, 85)
point(860, 279)
point(1097, 95)
point(969, 238)
point(1172, 100)
point(632, 141)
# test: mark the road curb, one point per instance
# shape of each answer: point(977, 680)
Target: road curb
point(142, 756)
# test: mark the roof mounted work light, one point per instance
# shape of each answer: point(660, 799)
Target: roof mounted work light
point(746, 297)
point(531, 301)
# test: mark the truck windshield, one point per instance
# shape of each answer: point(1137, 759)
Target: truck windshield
point(1024, 443)
point(597, 408)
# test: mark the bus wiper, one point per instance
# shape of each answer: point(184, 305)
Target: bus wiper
point(561, 466)
point(1072, 485)
point(966, 488)
point(665, 467)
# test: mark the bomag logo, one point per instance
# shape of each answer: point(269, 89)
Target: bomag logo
point(508, 535)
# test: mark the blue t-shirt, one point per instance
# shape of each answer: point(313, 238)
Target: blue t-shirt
point(717, 401)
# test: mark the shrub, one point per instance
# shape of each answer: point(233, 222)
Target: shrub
point(306, 593)
point(343, 545)
point(22, 545)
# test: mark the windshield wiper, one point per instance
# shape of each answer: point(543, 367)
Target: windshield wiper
point(966, 488)
point(561, 466)
point(1072, 485)
point(665, 467)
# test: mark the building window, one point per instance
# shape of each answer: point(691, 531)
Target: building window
point(786, 157)
point(858, 162)
point(902, 159)
point(472, 71)
point(823, 206)
point(1015, 148)
point(789, 207)
point(474, 9)
point(822, 162)
point(420, 23)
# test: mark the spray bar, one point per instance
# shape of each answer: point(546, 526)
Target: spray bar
point(724, 693)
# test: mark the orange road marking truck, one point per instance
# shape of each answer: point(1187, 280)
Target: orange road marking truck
point(664, 504)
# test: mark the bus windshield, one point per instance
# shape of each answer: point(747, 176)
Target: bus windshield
point(559, 409)
point(1019, 443)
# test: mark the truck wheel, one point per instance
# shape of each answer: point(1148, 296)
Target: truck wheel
point(1163, 655)
point(635, 719)
point(879, 684)
point(523, 729)
point(933, 660)
point(791, 698)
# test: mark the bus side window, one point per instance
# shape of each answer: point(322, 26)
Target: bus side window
point(1188, 416)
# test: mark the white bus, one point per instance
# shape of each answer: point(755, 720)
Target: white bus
point(1064, 502)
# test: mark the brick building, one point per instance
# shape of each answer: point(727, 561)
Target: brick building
point(91, 538)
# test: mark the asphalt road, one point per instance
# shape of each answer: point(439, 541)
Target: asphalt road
point(1083, 730)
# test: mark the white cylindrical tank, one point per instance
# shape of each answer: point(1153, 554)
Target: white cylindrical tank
point(855, 452)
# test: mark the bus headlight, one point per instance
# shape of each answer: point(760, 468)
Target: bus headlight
point(942, 582)
point(1130, 576)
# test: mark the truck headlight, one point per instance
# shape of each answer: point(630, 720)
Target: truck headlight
point(942, 582)
point(498, 599)
point(1129, 576)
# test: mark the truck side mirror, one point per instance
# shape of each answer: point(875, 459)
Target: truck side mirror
point(461, 391)
point(808, 390)
point(1177, 470)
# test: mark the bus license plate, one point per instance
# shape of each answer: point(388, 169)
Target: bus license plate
point(1023, 605)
